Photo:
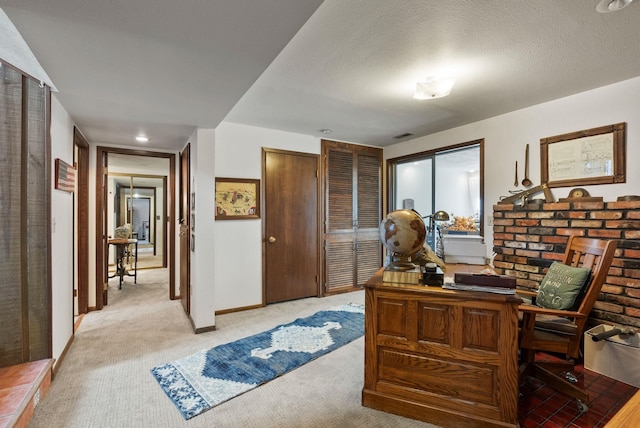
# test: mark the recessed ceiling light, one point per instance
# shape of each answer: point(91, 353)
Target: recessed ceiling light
point(606, 6)
point(326, 131)
point(141, 139)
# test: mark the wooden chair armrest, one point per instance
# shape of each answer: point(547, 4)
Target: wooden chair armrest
point(532, 309)
point(528, 293)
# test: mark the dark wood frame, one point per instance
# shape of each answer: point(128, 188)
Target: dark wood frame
point(254, 182)
point(618, 175)
point(82, 239)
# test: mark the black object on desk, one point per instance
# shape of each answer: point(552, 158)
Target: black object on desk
point(432, 275)
point(122, 245)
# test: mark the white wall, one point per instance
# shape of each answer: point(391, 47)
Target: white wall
point(62, 242)
point(506, 136)
point(238, 244)
point(203, 143)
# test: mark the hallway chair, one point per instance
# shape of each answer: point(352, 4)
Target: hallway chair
point(556, 319)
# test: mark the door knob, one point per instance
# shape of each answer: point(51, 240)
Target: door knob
point(272, 239)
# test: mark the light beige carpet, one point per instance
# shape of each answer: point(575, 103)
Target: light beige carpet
point(105, 381)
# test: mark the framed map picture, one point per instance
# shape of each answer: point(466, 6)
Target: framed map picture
point(237, 198)
point(592, 156)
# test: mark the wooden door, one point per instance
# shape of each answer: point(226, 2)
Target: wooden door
point(290, 226)
point(185, 251)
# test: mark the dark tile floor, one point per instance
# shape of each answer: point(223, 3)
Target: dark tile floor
point(542, 406)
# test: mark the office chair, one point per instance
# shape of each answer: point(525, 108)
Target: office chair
point(557, 320)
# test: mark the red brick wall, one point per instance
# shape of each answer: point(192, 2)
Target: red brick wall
point(527, 239)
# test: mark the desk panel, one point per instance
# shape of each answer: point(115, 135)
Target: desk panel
point(442, 356)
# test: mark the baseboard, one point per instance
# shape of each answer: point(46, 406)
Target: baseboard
point(57, 363)
point(239, 309)
point(222, 312)
point(201, 329)
point(205, 329)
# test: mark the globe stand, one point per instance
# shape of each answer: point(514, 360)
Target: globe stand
point(400, 263)
point(401, 270)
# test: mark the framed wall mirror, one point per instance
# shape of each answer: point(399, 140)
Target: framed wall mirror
point(139, 200)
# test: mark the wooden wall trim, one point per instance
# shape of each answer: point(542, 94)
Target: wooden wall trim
point(82, 228)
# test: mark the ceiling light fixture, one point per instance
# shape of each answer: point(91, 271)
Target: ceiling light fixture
point(326, 131)
point(606, 6)
point(141, 139)
point(433, 88)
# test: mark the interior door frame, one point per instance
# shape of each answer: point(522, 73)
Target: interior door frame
point(184, 241)
point(169, 224)
point(82, 215)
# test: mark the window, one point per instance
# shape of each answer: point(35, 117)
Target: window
point(447, 179)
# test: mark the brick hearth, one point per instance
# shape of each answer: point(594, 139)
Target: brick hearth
point(528, 238)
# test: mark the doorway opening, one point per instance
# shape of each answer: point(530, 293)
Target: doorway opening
point(138, 164)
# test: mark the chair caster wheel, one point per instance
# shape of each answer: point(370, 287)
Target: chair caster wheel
point(582, 407)
point(570, 377)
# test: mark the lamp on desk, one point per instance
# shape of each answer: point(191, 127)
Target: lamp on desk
point(437, 216)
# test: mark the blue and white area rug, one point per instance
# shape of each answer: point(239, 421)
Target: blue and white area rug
point(198, 382)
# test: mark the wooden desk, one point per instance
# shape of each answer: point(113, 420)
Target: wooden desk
point(441, 356)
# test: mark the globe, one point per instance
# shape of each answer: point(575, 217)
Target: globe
point(403, 232)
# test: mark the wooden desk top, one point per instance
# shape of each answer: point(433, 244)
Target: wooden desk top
point(122, 241)
point(376, 282)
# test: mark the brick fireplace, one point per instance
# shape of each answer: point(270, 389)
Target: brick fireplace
point(528, 238)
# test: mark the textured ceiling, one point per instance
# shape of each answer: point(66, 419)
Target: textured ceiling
point(165, 67)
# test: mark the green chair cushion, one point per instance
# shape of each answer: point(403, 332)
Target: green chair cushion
point(562, 287)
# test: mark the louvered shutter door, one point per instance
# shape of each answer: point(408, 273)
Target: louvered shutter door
point(368, 247)
point(352, 215)
point(340, 191)
point(339, 238)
